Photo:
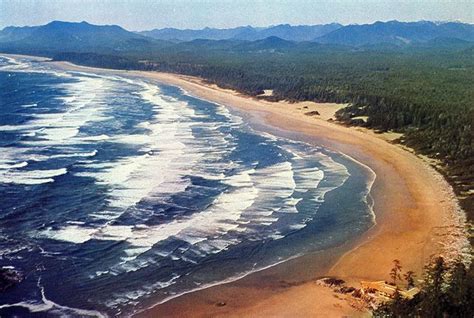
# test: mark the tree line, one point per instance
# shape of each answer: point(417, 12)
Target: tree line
point(447, 290)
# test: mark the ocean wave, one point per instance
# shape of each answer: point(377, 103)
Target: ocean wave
point(30, 177)
point(7, 165)
point(133, 296)
point(262, 189)
point(50, 307)
point(82, 105)
point(368, 191)
point(29, 105)
point(14, 64)
point(161, 170)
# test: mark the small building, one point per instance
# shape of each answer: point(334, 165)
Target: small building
point(383, 290)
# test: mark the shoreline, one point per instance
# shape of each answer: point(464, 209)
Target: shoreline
point(416, 213)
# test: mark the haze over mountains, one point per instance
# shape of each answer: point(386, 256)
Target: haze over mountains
point(60, 36)
point(398, 33)
point(248, 33)
point(393, 32)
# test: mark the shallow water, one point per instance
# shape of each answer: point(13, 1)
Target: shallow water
point(118, 193)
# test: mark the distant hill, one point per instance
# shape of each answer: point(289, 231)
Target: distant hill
point(398, 33)
point(205, 45)
point(172, 34)
point(16, 33)
point(268, 44)
point(76, 37)
point(283, 31)
point(288, 32)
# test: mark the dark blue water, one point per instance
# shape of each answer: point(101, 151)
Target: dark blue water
point(118, 193)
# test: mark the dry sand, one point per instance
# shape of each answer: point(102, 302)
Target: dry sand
point(416, 214)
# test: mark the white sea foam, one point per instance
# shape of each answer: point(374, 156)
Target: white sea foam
point(15, 64)
point(25, 65)
point(172, 153)
point(9, 165)
point(219, 218)
point(146, 289)
point(72, 233)
point(275, 184)
point(370, 183)
point(82, 105)
point(29, 105)
point(253, 198)
point(161, 170)
point(30, 177)
point(95, 138)
point(47, 305)
point(234, 120)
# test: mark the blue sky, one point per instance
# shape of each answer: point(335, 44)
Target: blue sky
point(149, 14)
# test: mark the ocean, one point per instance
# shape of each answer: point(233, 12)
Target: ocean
point(118, 193)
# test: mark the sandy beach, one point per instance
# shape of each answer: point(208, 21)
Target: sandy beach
point(417, 215)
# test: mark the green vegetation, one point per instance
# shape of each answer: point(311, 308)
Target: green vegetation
point(447, 291)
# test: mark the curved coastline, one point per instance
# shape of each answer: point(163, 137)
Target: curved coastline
point(416, 211)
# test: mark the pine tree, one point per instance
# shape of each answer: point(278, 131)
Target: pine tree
point(395, 272)
point(433, 301)
point(410, 279)
point(398, 305)
point(460, 294)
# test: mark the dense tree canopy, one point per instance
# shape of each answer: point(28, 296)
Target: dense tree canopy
point(447, 290)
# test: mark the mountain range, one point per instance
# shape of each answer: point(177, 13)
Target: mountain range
point(399, 33)
point(391, 32)
point(60, 36)
point(284, 31)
